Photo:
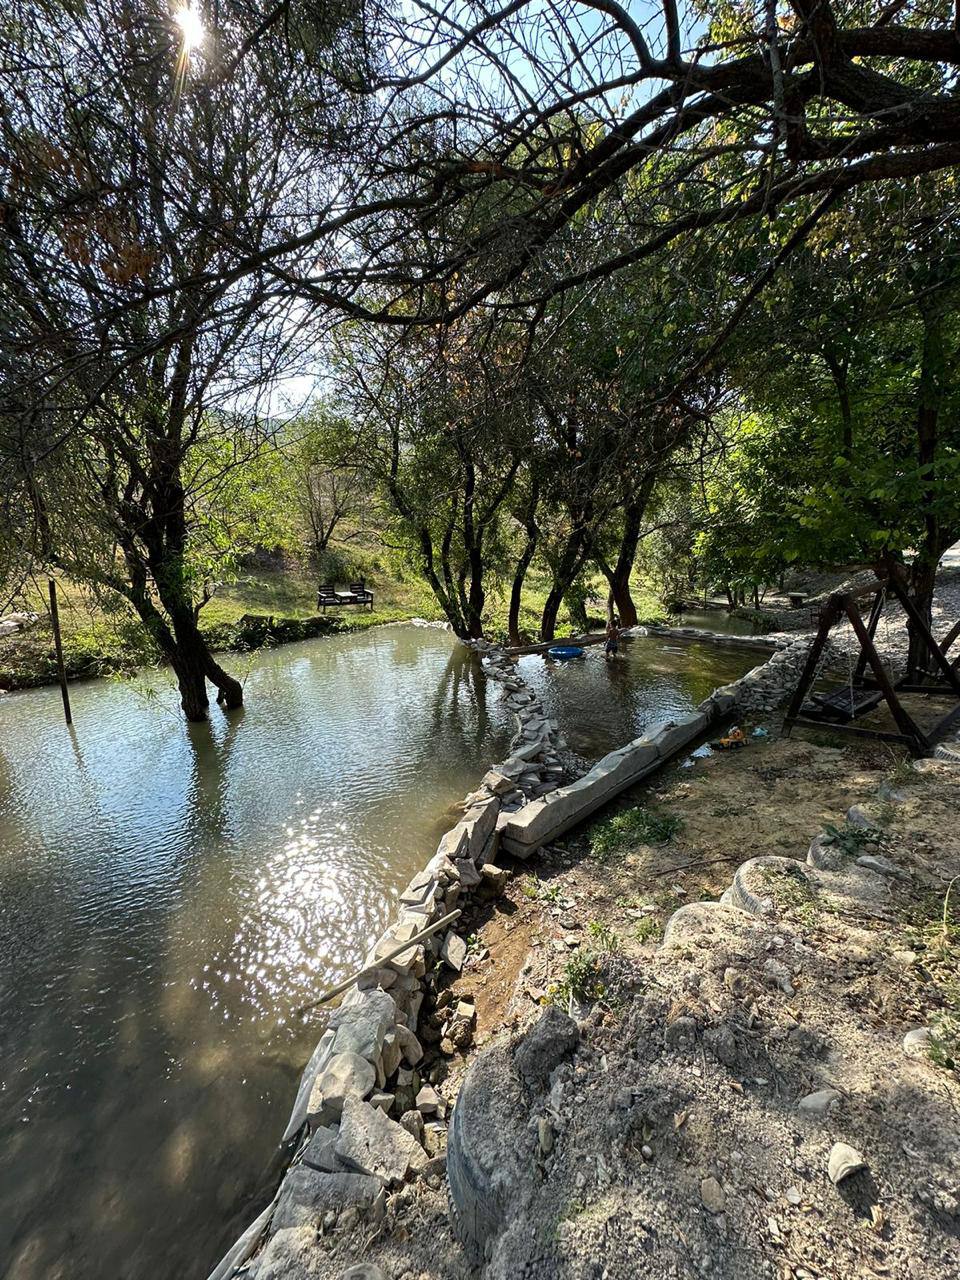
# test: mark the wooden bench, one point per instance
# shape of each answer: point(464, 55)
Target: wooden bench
point(328, 596)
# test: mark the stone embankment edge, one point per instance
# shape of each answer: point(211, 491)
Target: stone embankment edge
point(363, 1070)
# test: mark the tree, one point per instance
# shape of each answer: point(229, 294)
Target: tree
point(329, 487)
point(442, 434)
point(137, 364)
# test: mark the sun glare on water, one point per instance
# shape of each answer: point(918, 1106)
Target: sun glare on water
point(191, 26)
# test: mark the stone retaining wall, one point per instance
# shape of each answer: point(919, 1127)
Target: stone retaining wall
point(366, 1114)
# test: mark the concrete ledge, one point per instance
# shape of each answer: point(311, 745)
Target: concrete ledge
point(538, 823)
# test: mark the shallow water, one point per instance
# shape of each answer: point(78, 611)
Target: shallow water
point(168, 895)
point(713, 620)
point(602, 704)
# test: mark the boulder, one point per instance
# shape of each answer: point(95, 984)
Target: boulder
point(480, 822)
point(455, 843)
point(428, 1101)
point(410, 1048)
point(494, 878)
point(320, 1153)
point(373, 1144)
point(362, 1023)
point(306, 1194)
point(346, 1075)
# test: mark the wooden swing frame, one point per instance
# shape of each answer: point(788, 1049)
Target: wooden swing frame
point(915, 681)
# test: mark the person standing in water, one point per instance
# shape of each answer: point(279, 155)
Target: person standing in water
point(612, 647)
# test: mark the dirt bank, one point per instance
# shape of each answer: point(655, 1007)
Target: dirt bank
point(692, 1131)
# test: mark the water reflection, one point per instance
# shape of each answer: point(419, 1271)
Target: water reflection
point(167, 897)
point(601, 705)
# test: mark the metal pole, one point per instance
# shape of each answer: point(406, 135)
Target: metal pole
point(61, 669)
point(392, 954)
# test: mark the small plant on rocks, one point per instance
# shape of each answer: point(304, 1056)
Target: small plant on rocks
point(607, 939)
point(582, 980)
point(633, 827)
point(646, 929)
point(532, 887)
point(852, 840)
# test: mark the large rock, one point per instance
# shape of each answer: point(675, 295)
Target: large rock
point(362, 1021)
point(290, 1254)
point(320, 1152)
point(480, 822)
point(373, 1144)
point(454, 951)
point(345, 1076)
point(410, 1047)
point(306, 1194)
point(455, 843)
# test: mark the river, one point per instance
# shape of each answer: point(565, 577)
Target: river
point(169, 894)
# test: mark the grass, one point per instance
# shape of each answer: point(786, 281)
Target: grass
point(631, 828)
point(100, 637)
point(605, 938)
point(936, 934)
point(647, 928)
point(792, 891)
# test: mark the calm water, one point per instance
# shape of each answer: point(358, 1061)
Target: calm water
point(601, 705)
point(713, 620)
point(167, 897)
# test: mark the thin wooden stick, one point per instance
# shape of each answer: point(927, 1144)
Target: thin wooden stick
point(404, 946)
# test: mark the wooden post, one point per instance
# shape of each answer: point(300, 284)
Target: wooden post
point(828, 616)
point(905, 723)
point(61, 669)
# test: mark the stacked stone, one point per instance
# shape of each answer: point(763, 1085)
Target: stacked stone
point(533, 768)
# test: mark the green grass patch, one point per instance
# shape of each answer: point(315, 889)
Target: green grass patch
point(631, 828)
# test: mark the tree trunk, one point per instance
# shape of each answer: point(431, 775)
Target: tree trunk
point(194, 665)
point(523, 564)
point(923, 572)
point(569, 565)
point(620, 579)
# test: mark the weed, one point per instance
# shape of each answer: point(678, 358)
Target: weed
point(532, 887)
point(582, 980)
point(631, 828)
point(851, 840)
point(606, 938)
point(646, 929)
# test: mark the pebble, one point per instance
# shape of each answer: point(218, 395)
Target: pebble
point(646, 1151)
point(819, 1103)
point(793, 1196)
point(712, 1195)
point(844, 1160)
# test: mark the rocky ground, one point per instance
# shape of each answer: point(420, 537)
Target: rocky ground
point(716, 1082)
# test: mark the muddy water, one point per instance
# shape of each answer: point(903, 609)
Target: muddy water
point(167, 897)
point(603, 704)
